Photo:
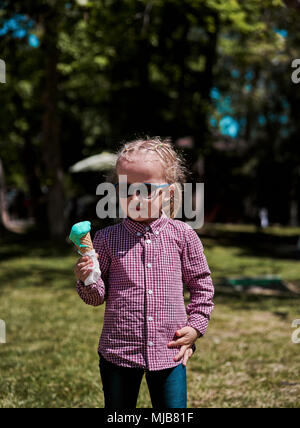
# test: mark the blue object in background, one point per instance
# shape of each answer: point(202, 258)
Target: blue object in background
point(214, 93)
point(249, 75)
point(33, 41)
point(213, 122)
point(262, 120)
point(19, 26)
point(283, 33)
point(229, 126)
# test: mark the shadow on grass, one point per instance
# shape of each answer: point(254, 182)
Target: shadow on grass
point(13, 246)
point(32, 245)
point(258, 243)
point(280, 306)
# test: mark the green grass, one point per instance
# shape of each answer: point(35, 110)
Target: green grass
point(246, 358)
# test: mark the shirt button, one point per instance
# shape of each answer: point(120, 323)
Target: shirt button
point(150, 292)
point(150, 343)
point(150, 318)
point(147, 228)
point(156, 232)
point(149, 265)
point(138, 234)
point(148, 241)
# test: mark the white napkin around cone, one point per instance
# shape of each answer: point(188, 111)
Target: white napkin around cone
point(96, 273)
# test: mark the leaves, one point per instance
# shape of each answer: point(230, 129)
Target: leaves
point(135, 67)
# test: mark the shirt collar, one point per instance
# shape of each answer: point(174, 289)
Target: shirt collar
point(155, 226)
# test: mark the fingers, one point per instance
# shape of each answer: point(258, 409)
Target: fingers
point(188, 353)
point(83, 268)
point(83, 261)
point(85, 264)
point(178, 342)
point(85, 275)
point(85, 258)
point(82, 275)
point(184, 339)
point(181, 353)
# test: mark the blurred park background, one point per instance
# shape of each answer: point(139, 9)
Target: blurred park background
point(220, 79)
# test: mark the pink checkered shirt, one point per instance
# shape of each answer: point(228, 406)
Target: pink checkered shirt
point(143, 268)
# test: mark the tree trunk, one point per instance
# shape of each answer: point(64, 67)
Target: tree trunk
point(37, 203)
point(51, 131)
point(4, 218)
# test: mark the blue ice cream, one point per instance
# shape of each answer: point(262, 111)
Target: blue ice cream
point(78, 231)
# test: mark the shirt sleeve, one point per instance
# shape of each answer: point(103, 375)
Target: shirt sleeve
point(196, 275)
point(95, 294)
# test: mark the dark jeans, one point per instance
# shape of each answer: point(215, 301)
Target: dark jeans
point(121, 386)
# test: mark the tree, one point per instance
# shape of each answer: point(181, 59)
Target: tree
point(109, 70)
point(3, 211)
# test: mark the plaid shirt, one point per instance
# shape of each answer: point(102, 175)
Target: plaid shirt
point(143, 268)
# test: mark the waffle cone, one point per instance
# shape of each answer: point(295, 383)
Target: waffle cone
point(86, 240)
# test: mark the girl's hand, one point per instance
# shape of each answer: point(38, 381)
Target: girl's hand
point(186, 337)
point(83, 267)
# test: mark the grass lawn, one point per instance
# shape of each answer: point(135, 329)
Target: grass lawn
point(246, 359)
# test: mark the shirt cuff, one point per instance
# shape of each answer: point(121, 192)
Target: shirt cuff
point(199, 323)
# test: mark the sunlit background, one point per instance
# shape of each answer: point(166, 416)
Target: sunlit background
point(219, 78)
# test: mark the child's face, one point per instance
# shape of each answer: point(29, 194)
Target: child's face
point(140, 170)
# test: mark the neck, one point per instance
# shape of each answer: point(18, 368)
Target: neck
point(148, 220)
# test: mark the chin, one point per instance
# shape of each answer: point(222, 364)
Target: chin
point(135, 215)
point(139, 218)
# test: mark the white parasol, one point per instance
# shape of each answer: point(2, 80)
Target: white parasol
point(101, 162)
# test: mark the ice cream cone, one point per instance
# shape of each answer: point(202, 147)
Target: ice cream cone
point(80, 235)
point(87, 242)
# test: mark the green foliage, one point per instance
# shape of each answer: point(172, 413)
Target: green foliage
point(147, 67)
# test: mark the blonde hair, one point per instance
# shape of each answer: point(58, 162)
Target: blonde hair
point(174, 167)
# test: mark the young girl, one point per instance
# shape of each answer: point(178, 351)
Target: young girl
point(144, 261)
